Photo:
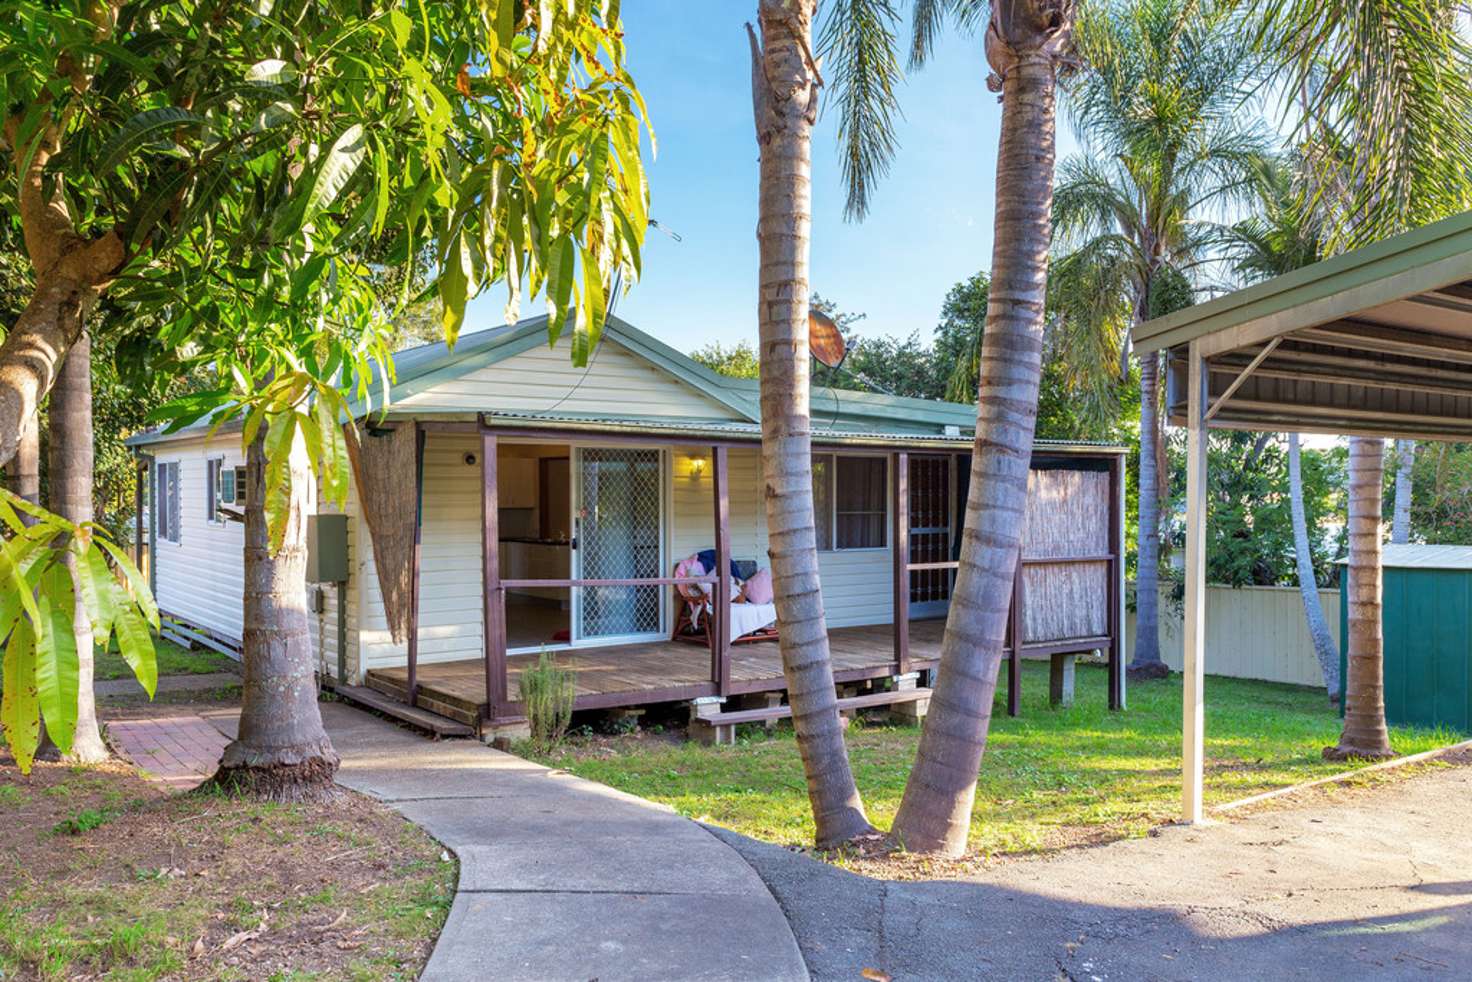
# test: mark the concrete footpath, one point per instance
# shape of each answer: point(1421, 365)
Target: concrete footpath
point(562, 878)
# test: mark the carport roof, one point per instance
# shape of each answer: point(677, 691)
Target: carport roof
point(1375, 342)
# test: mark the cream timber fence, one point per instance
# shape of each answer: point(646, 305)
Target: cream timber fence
point(1254, 632)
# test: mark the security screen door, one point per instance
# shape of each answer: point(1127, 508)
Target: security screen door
point(619, 511)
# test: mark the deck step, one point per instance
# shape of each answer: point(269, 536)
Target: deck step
point(866, 701)
point(440, 726)
point(428, 699)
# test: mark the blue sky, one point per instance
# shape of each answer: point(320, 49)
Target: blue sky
point(930, 225)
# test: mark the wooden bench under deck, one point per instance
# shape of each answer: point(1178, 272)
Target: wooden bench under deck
point(720, 727)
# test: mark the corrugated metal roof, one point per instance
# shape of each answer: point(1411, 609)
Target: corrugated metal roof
point(1389, 270)
point(838, 415)
point(1415, 556)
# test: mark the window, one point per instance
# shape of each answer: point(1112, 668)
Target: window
point(166, 501)
point(223, 486)
point(850, 501)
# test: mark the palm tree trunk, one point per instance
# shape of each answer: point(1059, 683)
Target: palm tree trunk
point(281, 753)
point(935, 813)
point(1147, 663)
point(1364, 733)
point(785, 102)
point(70, 492)
point(1405, 460)
point(1308, 583)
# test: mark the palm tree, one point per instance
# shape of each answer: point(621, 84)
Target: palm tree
point(281, 752)
point(1164, 148)
point(1393, 81)
point(1281, 238)
point(70, 492)
point(1027, 43)
point(1325, 650)
point(784, 86)
point(1405, 462)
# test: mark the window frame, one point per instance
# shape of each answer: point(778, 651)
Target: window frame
point(831, 491)
point(167, 510)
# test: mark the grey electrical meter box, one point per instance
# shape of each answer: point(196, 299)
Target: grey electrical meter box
point(327, 548)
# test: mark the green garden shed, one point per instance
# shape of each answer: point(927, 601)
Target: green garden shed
point(1427, 620)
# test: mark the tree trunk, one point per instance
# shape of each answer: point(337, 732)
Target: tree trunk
point(281, 753)
point(24, 469)
point(785, 104)
point(34, 349)
point(1147, 663)
point(935, 813)
point(1308, 583)
point(1405, 460)
point(70, 493)
point(1364, 734)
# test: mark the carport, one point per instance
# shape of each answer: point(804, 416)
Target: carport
point(1375, 342)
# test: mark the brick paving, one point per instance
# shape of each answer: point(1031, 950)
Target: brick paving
point(176, 751)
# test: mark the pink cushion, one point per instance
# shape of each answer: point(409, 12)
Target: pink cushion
point(759, 587)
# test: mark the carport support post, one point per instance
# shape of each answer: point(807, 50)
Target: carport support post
point(1193, 723)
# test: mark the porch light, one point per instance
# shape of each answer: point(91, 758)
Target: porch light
point(697, 468)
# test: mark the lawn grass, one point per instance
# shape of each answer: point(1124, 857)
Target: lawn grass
point(172, 660)
point(1051, 777)
point(102, 875)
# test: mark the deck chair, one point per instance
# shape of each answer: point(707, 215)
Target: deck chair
point(749, 622)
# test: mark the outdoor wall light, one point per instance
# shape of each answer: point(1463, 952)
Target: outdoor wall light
point(470, 460)
point(697, 468)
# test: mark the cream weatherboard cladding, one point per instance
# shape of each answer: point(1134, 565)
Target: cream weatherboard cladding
point(542, 379)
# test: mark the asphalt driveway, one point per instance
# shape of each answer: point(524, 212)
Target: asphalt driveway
point(1352, 883)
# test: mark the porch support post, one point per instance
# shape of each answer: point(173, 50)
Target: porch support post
point(721, 630)
point(1194, 640)
point(1115, 593)
point(493, 622)
point(140, 475)
point(1014, 645)
point(901, 572)
point(419, 436)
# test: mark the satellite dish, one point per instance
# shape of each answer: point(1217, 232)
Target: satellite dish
point(825, 340)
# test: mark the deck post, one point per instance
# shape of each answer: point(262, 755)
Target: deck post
point(493, 613)
point(901, 572)
point(1116, 583)
point(1193, 727)
point(722, 607)
point(419, 436)
point(1014, 644)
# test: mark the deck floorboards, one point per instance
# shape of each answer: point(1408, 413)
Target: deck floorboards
point(662, 665)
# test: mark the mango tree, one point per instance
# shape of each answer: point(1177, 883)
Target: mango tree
point(220, 170)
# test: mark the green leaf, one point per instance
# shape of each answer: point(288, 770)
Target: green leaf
point(136, 644)
point(338, 167)
point(97, 584)
point(137, 585)
point(334, 469)
point(56, 657)
point(272, 70)
point(12, 580)
point(384, 189)
point(19, 706)
point(141, 129)
point(454, 283)
point(279, 439)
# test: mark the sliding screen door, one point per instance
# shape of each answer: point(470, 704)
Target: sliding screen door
point(619, 506)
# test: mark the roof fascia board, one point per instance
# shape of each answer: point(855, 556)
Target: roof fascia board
point(1425, 259)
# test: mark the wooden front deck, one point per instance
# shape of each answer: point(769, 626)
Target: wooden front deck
point(657, 671)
